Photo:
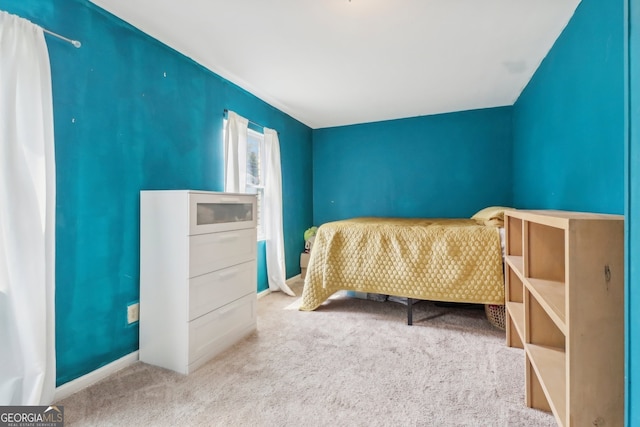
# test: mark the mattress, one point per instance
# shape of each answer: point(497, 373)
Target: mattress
point(455, 260)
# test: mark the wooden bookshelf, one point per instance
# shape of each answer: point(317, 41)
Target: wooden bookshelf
point(564, 277)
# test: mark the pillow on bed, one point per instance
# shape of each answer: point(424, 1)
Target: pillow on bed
point(493, 215)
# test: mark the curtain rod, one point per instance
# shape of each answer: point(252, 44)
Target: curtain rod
point(225, 111)
point(76, 43)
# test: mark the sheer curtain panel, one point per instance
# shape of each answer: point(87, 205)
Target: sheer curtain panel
point(235, 153)
point(27, 216)
point(273, 224)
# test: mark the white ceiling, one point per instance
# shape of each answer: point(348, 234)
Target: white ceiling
point(340, 62)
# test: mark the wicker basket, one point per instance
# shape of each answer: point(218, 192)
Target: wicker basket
point(495, 315)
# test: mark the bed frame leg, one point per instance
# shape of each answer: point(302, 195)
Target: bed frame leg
point(409, 311)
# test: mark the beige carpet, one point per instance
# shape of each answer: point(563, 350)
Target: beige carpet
point(352, 362)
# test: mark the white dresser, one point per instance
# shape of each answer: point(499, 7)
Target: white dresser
point(197, 275)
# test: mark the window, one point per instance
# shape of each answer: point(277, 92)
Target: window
point(255, 172)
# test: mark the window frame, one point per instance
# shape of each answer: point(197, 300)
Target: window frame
point(259, 188)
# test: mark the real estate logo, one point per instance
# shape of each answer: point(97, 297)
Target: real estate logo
point(31, 416)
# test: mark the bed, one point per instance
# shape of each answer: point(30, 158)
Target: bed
point(450, 260)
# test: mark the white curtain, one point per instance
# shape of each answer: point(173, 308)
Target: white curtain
point(272, 210)
point(235, 153)
point(27, 216)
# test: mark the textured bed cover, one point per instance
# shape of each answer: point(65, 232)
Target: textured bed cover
point(454, 260)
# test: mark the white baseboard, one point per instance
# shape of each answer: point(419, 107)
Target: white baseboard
point(293, 279)
point(67, 389)
point(288, 282)
point(264, 293)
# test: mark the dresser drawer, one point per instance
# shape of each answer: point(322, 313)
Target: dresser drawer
point(213, 251)
point(217, 330)
point(210, 213)
point(213, 290)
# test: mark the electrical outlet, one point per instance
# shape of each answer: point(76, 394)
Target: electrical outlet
point(133, 313)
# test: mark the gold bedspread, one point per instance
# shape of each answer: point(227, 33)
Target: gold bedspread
point(454, 260)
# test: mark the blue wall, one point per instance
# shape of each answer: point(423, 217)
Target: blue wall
point(633, 217)
point(569, 121)
point(132, 114)
point(446, 165)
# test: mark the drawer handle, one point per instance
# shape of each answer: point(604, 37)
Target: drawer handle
point(226, 309)
point(228, 274)
point(227, 238)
